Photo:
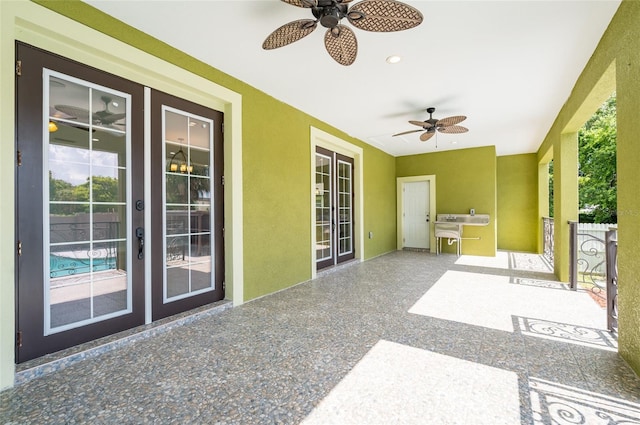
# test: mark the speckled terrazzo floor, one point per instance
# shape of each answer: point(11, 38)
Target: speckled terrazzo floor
point(407, 337)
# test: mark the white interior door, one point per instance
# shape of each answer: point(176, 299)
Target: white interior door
point(415, 214)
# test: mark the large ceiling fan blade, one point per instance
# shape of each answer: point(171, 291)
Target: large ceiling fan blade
point(302, 3)
point(422, 124)
point(406, 132)
point(74, 112)
point(383, 16)
point(454, 129)
point(106, 117)
point(341, 44)
point(427, 135)
point(288, 33)
point(449, 121)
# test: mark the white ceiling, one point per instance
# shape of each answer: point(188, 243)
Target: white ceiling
point(509, 66)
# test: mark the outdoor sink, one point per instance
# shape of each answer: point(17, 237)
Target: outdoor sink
point(464, 219)
point(449, 226)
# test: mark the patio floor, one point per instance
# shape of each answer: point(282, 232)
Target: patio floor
point(408, 337)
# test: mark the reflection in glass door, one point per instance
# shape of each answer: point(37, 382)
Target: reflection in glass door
point(345, 208)
point(334, 208)
point(188, 153)
point(86, 219)
point(324, 208)
point(80, 151)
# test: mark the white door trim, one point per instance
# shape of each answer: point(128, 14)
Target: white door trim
point(335, 144)
point(400, 181)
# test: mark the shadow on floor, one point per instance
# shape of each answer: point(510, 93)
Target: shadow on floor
point(407, 337)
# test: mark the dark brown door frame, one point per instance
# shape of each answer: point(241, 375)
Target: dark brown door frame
point(350, 255)
point(159, 308)
point(336, 258)
point(29, 200)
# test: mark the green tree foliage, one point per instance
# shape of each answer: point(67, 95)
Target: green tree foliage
point(105, 189)
point(597, 180)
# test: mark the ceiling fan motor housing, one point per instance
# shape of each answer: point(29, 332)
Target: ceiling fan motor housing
point(329, 13)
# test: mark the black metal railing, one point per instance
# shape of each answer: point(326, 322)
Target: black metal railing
point(593, 264)
point(611, 241)
point(72, 254)
point(547, 238)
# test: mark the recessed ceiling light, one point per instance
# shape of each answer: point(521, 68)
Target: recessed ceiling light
point(394, 59)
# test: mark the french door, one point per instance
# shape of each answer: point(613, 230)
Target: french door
point(79, 272)
point(334, 208)
point(187, 193)
point(82, 240)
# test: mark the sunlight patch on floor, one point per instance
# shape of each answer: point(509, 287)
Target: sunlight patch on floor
point(508, 261)
point(492, 301)
point(500, 261)
point(395, 383)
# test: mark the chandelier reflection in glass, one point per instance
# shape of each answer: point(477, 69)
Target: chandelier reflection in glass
point(179, 162)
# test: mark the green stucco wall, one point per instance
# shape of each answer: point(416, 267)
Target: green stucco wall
point(465, 179)
point(565, 199)
point(615, 65)
point(277, 216)
point(517, 201)
point(380, 204)
point(625, 33)
point(276, 184)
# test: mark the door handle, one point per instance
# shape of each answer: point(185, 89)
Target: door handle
point(140, 236)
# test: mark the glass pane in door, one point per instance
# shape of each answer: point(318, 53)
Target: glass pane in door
point(188, 254)
point(86, 168)
point(324, 235)
point(345, 223)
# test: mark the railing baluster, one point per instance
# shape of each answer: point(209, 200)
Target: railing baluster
point(611, 237)
point(547, 239)
point(573, 255)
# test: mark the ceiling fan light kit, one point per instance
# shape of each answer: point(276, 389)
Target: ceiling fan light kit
point(339, 40)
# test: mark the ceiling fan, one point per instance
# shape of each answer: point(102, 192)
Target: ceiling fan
point(430, 126)
point(339, 40)
point(104, 117)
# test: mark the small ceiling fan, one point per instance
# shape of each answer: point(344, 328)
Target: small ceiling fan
point(104, 117)
point(430, 126)
point(339, 40)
